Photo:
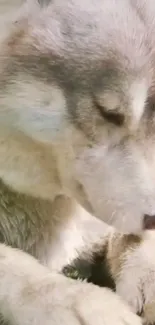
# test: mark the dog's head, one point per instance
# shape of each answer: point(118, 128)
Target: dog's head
point(78, 75)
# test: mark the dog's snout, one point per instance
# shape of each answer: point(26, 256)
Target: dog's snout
point(149, 222)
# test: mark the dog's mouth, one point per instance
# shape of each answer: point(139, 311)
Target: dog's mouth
point(148, 220)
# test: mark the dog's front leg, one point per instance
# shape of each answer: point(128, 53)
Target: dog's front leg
point(31, 295)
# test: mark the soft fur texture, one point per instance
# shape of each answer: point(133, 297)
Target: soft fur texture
point(124, 263)
point(76, 139)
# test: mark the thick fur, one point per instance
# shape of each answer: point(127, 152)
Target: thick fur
point(76, 138)
point(55, 104)
point(124, 263)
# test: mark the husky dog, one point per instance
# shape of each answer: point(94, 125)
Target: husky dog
point(77, 141)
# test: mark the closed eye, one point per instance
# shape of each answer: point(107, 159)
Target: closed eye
point(112, 117)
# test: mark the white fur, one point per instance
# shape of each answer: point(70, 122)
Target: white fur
point(46, 155)
point(34, 296)
point(138, 93)
point(136, 281)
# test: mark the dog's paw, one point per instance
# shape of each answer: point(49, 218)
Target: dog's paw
point(101, 306)
point(30, 294)
point(135, 282)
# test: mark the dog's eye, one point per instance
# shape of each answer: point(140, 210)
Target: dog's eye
point(113, 117)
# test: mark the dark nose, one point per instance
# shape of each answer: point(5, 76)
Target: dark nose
point(149, 222)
